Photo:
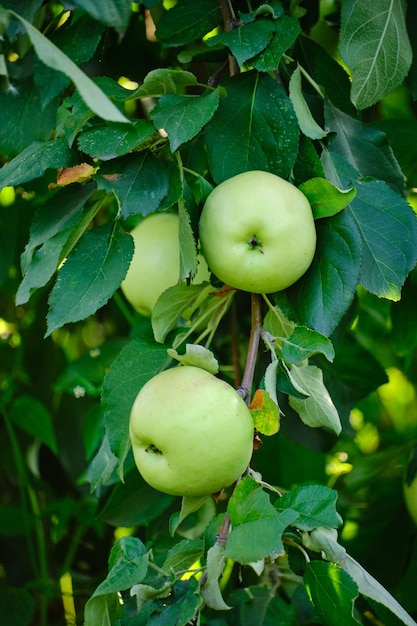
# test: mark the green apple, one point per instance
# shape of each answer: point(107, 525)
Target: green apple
point(155, 265)
point(257, 232)
point(191, 432)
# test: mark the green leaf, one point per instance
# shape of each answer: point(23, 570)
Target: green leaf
point(388, 229)
point(333, 593)
point(265, 412)
point(255, 127)
point(188, 248)
point(32, 417)
point(315, 505)
point(326, 199)
point(183, 555)
point(308, 124)
point(210, 590)
point(364, 147)
point(36, 123)
point(103, 610)
point(17, 606)
point(258, 607)
point(128, 565)
point(90, 276)
point(113, 13)
point(318, 409)
point(172, 304)
point(102, 469)
point(188, 21)
point(109, 141)
point(197, 356)
point(139, 361)
point(372, 589)
point(246, 41)
point(182, 117)
point(134, 502)
point(322, 296)
point(81, 29)
point(286, 31)
point(180, 607)
point(189, 505)
point(404, 329)
point(256, 525)
point(380, 30)
point(303, 343)
point(139, 181)
point(163, 81)
point(34, 160)
point(52, 56)
point(51, 229)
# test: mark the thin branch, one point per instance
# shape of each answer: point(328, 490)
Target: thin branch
point(255, 334)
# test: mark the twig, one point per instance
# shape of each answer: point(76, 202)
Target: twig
point(230, 22)
point(255, 333)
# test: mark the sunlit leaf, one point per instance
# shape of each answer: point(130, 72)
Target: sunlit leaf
point(265, 413)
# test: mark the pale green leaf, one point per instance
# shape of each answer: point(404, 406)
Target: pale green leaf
point(196, 356)
point(375, 46)
point(210, 591)
point(52, 56)
point(326, 199)
point(307, 123)
point(318, 409)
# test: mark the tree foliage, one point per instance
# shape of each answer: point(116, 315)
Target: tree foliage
point(114, 110)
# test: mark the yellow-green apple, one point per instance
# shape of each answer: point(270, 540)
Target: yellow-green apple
point(155, 265)
point(191, 432)
point(257, 232)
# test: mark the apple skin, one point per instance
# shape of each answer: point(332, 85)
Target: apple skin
point(155, 265)
point(257, 232)
point(191, 433)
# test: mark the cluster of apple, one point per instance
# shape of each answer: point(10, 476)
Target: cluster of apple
point(192, 433)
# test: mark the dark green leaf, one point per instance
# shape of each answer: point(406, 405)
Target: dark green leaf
point(33, 417)
point(322, 296)
point(188, 21)
point(113, 13)
point(90, 276)
point(326, 72)
point(128, 566)
point(134, 503)
point(380, 29)
point(183, 117)
point(108, 142)
point(365, 147)
point(34, 160)
point(87, 34)
point(136, 364)
point(258, 607)
point(315, 505)
point(139, 181)
point(388, 229)
point(333, 593)
point(303, 343)
point(36, 123)
point(256, 526)
point(181, 606)
point(17, 606)
point(246, 41)
point(286, 31)
point(51, 229)
point(255, 127)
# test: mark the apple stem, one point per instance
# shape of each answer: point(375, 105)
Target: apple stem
point(255, 333)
